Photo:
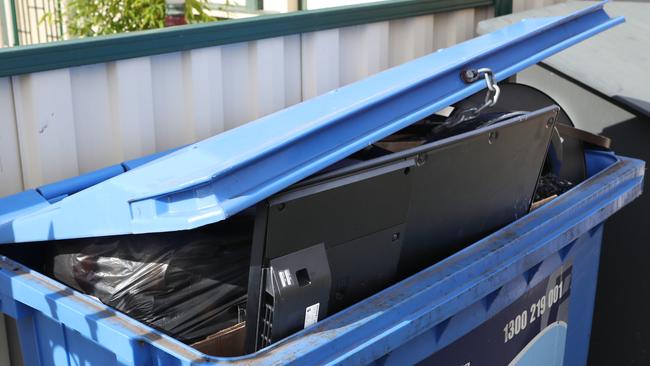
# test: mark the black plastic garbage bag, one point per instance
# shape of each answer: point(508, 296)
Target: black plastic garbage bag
point(188, 284)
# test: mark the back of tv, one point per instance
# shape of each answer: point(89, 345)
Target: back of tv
point(341, 236)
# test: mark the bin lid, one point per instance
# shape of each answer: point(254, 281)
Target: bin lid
point(215, 178)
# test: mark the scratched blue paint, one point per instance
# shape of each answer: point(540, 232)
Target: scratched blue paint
point(213, 179)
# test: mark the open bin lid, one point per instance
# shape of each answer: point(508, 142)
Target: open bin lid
point(211, 180)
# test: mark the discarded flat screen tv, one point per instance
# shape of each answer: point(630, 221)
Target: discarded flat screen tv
point(345, 234)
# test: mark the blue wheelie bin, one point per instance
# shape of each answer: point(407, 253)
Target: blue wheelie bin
point(522, 295)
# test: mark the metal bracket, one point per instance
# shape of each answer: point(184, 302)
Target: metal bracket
point(469, 76)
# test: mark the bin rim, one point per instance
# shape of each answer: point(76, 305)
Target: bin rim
point(389, 317)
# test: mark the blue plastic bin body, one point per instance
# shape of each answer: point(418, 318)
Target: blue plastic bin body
point(524, 291)
point(456, 312)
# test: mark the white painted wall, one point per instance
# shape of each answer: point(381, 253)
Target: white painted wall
point(281, 6)
point(521, 5)
point(229, 2)
point(6, 24)
point(321, 4)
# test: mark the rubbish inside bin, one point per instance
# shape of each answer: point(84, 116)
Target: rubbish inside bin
point(187, 284)
point(225, 343)
point(419, 198)
point(551, 185)
point(194, 285)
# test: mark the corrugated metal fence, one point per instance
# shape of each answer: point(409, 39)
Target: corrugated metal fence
point(63, 122)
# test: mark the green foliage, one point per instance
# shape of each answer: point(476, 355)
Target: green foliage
point(87, 18)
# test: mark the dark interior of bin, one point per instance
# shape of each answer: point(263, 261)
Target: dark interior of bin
point(188, 284)
point(181, 275)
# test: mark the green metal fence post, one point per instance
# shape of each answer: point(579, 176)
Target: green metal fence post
point(502, 7)
point(254, 5)
point(14, 23)
point(59, 18)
